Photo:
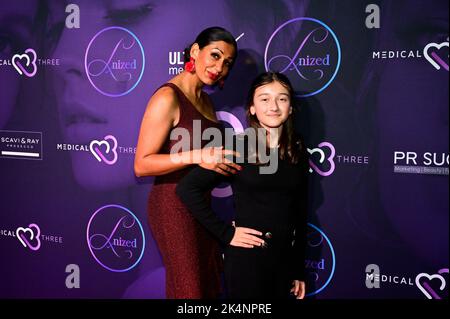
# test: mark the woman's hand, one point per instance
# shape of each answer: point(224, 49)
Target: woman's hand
point(245, 237)
point(213, 158)
point(298, 289)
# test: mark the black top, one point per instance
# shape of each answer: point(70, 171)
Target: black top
point(274, 203)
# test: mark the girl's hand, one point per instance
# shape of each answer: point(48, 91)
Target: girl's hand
point(213, 158)
point(246, 238)
point(298, 289)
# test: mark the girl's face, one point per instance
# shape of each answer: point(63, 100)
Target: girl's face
point(271, 105)
point(213, 61)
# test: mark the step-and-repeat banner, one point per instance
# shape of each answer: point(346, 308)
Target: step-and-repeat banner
point(371, 78)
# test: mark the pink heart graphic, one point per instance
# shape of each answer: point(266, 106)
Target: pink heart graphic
point(330, 158)
point(32, 241)
point(425, 287)
point(95, 150)
point(437, 56)
point(29, 58)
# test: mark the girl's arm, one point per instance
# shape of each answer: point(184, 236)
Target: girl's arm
point(192, 189)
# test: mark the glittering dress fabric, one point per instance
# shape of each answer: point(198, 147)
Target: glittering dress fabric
point(190, 254)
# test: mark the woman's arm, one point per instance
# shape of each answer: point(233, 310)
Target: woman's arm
point(161, 115)
point(192, 189)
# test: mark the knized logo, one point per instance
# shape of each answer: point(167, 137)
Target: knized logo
point(114, 61)
point(320, 270)
point(115, 238)
point(307, 51)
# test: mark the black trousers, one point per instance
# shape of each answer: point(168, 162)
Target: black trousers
point(261, 273)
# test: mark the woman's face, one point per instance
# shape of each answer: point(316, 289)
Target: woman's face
point(213, 61)
point(16, 20)
point(162, 27)
point(271, 105)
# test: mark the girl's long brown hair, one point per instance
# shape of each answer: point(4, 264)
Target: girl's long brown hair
point(291, 146)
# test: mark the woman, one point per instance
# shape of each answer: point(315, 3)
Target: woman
point(273, 204)
point(190, 255)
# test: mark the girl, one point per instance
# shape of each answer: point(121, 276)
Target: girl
point(260, 260)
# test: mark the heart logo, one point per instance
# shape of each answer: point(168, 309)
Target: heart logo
point(94, 146)
point(321, 153)
point(322, 159)
point(434, 58)
point(26, 240)
point(17, 62)
point(426, 288)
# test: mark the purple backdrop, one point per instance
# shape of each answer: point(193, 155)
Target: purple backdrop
point(372, 82)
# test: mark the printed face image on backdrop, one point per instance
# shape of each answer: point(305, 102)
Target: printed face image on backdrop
point(371, 95)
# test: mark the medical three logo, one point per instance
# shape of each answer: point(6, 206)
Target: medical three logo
point(433, 53)
point(432, 286)
point(322, 159)
point(29, 236)
point(25, 64)
point(98, 151)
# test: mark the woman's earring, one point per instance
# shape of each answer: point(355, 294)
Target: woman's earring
point(221, 83)
point(190, 66)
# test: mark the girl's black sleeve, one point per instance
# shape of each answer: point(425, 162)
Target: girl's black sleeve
point(193, 189)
